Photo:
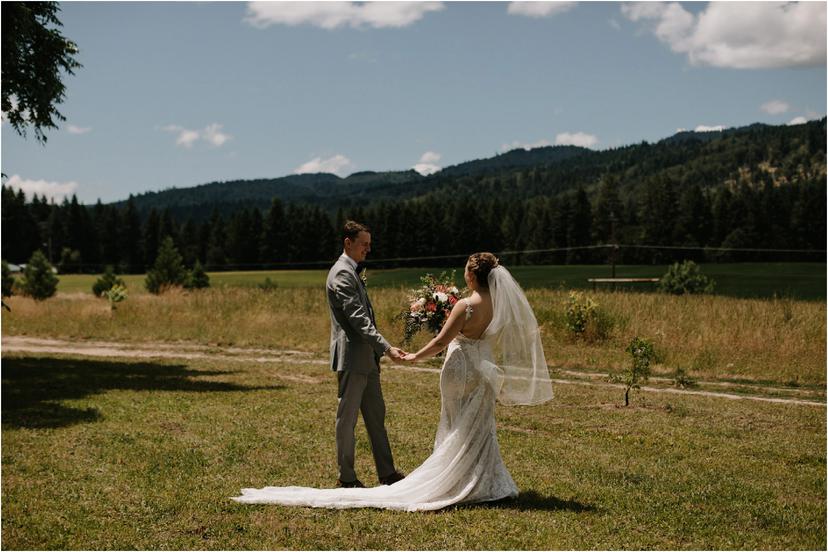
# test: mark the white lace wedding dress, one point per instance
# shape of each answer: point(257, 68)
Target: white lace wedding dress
point(465, 466)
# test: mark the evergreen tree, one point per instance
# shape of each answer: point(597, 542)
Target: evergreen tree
point(131, 252)
point(274, 240)
point(107, 280)
point(608, 211)
point(189, 238)
point(108, 234)
point(216, 257)
point(197, 278)
point(168, 269)
point(152, 234)
point(579, 232)
point(39, 281)
point(692, 227)
point(7, 280)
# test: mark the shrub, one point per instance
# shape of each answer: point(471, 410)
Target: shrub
point(682, 379)
point(107, 280)
point(115, 294)
point(585, 319)
point(685, 277)
point(8, 283)
point(39, 280)
point(268, 285)
point(642, 353)
point(168, 270)
point(579, 310)
point(197, 278)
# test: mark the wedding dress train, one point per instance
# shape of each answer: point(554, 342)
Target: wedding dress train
point(465, 466)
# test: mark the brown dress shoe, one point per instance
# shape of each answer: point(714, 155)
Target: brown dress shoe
point(391, 479)
point(355, 484)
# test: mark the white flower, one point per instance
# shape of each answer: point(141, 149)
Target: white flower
point(440, 296)
point(421, 301)
point(454, 290)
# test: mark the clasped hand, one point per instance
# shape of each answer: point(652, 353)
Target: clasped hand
point(398, 356)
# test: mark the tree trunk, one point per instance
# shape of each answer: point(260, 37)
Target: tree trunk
point(627, 397)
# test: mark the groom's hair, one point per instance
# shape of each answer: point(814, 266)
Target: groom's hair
point(352, 229)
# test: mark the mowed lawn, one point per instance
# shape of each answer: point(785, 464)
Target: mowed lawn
point(124, 454)
point(793, 280)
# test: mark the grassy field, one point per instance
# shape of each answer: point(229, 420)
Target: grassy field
point(793, 280)
point(117, 454)
point(103, 454)
point(781, 341)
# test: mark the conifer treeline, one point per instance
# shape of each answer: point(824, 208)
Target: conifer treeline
point(659, 211)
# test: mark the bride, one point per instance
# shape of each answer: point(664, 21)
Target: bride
point(494, 354)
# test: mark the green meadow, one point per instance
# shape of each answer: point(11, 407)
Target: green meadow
point(132, 452)
point(141, 454)
point(794, 280)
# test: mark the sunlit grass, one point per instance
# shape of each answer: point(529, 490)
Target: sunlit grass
point(126, 455)
point(777, 340)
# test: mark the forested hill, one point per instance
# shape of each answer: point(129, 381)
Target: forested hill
point(755, 153)
point(690, 195)
point(330, 191)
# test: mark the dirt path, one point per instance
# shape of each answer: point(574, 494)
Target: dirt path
point(191, 351)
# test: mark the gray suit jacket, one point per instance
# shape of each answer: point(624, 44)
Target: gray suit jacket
point(356, 344)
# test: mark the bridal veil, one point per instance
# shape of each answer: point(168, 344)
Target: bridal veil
point(515, 339)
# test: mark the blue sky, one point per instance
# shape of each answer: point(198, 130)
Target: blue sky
point(180, 94)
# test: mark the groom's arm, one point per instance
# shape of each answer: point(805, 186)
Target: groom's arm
point(346, 295)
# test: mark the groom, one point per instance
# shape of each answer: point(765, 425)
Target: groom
point(356, 347)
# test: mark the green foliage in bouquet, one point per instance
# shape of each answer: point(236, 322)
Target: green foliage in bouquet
point(39, 280)
point(430, 304)
point(685, 277)
point(106, 282)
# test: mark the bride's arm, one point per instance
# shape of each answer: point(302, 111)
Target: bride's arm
point(451, 328)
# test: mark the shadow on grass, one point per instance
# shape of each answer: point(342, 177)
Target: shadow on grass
point(532, 501)
point(33, 388)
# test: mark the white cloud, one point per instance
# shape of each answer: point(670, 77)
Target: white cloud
point(798, 121)
point(615, 24)
point(338, 164)
point(522, 145)
point(52, 190)
point(706, 128)
point(330, 15)
point(775, 107)
point(214, 136)
point(187, 137)
point(72, 129)
point(740, 35)
point(576, 139)
point(428, 163)
point(539, 9)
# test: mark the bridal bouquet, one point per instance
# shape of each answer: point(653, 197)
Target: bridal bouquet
point(430, 304)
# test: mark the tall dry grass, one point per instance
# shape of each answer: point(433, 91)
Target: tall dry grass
point(710, 337)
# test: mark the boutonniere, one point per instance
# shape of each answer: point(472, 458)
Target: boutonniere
point(363, 275)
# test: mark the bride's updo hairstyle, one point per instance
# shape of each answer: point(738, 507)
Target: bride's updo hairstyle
point(480, 264)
